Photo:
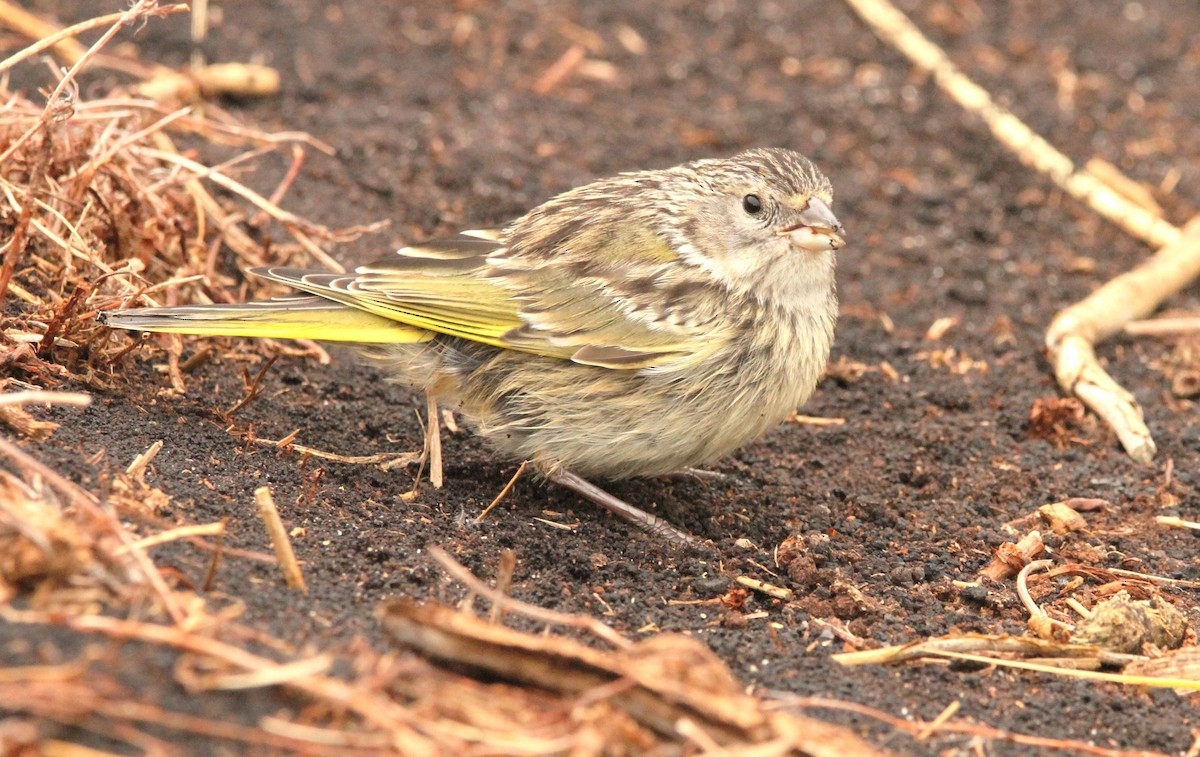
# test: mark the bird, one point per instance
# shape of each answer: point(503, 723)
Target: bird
point(636, 326)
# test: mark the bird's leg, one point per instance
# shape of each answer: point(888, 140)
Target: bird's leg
point(627, 512)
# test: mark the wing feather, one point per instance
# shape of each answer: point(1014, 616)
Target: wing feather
point(605, 309)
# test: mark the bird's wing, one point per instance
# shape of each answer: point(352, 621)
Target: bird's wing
point(468, 286)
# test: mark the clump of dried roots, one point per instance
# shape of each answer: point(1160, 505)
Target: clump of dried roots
point(97, 201)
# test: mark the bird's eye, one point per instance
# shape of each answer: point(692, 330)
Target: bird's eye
point(752, 205)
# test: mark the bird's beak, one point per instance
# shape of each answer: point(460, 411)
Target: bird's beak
point(818, 229)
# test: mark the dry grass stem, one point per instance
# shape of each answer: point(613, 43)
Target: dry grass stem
point(279, 539)
point(560, 69)
point(137, 468)
point(1171, 521)
point(182, 532)
point(942, 718)
point(503, 492)
point(1039, 622)
point(433, 440)
point(505, 569)
point(813, 420)
point(1161, 682)
point(385, 460)
point(979, 644)
point(61, 40)
point(582, 622)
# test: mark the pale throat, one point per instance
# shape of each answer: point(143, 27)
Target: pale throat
point(797, 280)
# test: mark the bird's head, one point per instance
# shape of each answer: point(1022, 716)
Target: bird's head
point(760, 222)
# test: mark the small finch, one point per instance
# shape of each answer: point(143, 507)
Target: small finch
point(636, 326)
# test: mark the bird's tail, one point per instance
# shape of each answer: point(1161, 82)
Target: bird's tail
point(303, 317)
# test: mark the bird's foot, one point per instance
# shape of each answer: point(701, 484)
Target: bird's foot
point(627, 512)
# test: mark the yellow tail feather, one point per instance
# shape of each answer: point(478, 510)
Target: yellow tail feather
point(285, 318)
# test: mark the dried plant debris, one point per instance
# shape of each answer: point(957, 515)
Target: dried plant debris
point(1183, 369)
point(40, 548)
point(1011, 557)
point(59, 548)
point(1117, 632)
point(669, 687)
point(1061, 518)
point(1179, 664)
point(1073, 334)
point(523, 694)
point(1062, 421)
point(100, 209)
point(1123, 624)
point(1125, 617)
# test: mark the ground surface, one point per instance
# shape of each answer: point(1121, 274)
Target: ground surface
point(437, 126)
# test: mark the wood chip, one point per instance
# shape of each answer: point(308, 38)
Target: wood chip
point(1010, 558)
point(1062, 518)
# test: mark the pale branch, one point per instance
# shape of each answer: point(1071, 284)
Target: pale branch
point(1130, 296)
point(1074, 332)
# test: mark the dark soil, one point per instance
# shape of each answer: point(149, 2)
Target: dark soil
point(437, 126)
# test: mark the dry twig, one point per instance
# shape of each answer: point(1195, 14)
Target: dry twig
point(1074, 332)
point(279, 539)
point(1130, 296)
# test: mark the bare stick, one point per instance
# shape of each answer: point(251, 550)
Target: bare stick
point(895, 28)
point(1132, 295)
point(1163, 326)
point(1074, 331)
point(77, 399)
point(279, 538)
point(433, 435)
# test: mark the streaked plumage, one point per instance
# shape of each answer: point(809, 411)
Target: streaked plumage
point(634, 326)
